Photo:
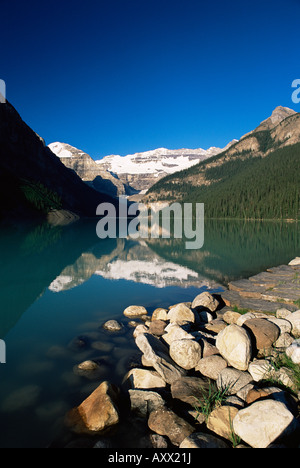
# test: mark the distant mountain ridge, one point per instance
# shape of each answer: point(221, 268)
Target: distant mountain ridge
point(142, 170)
point(126, 175)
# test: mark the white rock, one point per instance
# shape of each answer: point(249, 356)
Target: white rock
point(282, 313)
point(263, 422)
point(284, 325)
point(295, 261)
point(135, 311)
point(160, 314)
point(181, 314)
point(243, 318)
point(140, 329)
point(234, 344)
point(206, 300)
point(260, 369)
point(143, 378)
point(294, 318)
point(175, 332)
point(293, 351)
point(284, 341)
point(186, 353)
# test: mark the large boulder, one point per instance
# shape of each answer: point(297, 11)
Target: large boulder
point(166, 423)
point(186, 353)
point(211, 366)
point(265, 333)
point(263, 422)
point(205, 300)
point(181, 314)
point(232, 381)
point(98, 414)
point(220, 421)
point(190, 390)
point(234, 344)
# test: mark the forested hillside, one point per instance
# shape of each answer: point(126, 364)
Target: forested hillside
point(260, 187)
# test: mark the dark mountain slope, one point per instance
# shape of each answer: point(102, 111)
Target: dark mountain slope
point(33, 181)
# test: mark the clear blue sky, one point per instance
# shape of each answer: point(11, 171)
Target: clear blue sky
point(122, 76)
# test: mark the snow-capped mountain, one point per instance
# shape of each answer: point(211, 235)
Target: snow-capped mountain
point(142, 170)
point(133, 173)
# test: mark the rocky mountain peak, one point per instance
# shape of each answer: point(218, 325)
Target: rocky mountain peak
point(87, 169)
point(279, 114)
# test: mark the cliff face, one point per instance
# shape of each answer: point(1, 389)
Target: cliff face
point(33, 181)
point(87, 169)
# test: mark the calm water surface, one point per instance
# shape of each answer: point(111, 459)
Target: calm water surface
point(61, 284)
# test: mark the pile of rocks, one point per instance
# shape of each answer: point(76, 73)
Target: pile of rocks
point(191, 348)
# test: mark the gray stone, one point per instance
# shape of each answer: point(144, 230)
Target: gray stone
point(166, 423)
point(211, 366)
point(143, 402)
point(190, 390)
point(186, 353)
point(233, 380)
point(112, 325)
point(157, 354)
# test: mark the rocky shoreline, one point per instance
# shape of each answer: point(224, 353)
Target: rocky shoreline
point(209, 376)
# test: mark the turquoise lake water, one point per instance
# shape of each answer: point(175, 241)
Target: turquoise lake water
point(58, 285)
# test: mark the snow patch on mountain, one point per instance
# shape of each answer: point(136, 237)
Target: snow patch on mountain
point(157, 162)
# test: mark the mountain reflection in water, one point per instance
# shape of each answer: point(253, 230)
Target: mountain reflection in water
point(60, 258)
